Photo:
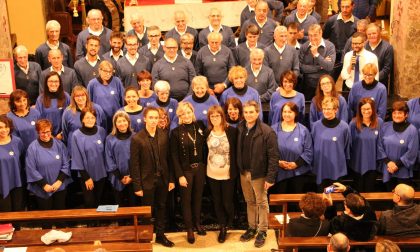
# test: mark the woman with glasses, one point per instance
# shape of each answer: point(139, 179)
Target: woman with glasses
point(366, 147)
point(326, 88)
point(48, 168)
point(88, 157)
point(368, 87)
point(107, 91)
point(23, 116)
point(401, 145)
point(71, 116)
point(331, 141)
point(187, 156)
point(221, 167)
point(52, 103)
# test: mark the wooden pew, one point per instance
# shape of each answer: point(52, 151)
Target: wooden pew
point(126, 247)
point(322, 242)
point(284, 199)
point(135, 233)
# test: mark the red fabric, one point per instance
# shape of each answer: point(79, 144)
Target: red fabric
point(157, 2)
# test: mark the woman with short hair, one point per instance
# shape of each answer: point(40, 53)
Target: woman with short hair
point(233, 111)
point(146, 94)
point(162, 90)
point(133, 108)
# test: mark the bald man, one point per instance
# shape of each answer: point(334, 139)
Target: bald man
point(94, 20)
point(404, 218)
point(137, 23)
point(339, 243)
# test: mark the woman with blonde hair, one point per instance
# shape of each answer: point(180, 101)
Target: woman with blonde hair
point(187, 155)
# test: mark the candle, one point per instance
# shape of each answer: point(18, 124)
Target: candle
point(383, 24)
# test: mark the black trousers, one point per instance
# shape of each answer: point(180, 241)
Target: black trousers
point(222, 195)
point(365, 182)
point(57, 201)
point(125, 197)
point(298, 184)
point(93, 197)
point(156, 198)
point(393, 182)
point(191, 196)
point(13, 201)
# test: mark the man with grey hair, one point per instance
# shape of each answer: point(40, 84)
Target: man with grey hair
point(137, 22)
point(215, 19)
point(94, 20)
point(27, 73)
point(214, 61)
point(303, 18)
point(181, 28)
point(281, 57)
point(68, 75)
point(187, 47)
point(339, 243)
point(404, 218)
point(53, 42)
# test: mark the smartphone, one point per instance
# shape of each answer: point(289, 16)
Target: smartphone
point(329, 189)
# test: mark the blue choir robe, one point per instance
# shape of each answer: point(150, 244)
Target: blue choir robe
point(250, 94)
point(276, 103)
point(117, 156)
point(71, 122)
point(46, 163)
point(366, 148)
point(145, 102)
point(24, 127)
point(294, 145)
point(110, 97)
point(331, 150)
point(378, 94)
point(88, 153)
point(403, 146)
point(137, 119)
point(414, 112)
point(170, 108)
point(201, 107)
point(53, 113)
point(10, 165)
point(342, 113)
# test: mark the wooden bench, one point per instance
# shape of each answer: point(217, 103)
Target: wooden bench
point(126, 247)
point(284, 199)
point(322, 242)
point(135, 233)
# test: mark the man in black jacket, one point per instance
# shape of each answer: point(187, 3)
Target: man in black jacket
point(258, 157)
point(149, 170)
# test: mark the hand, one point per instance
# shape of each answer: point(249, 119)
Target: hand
point(267, 185)
point(328, 58)
point(183, 181)
point(48, 188)
point(283, 164)
point(139, 193)
point(339, 187)
point(56, 185)
point(89, 184)
point(392, 167)
point(171, 186)
point(126, 180)
point(219, 88)
point(210, 91)
point(59, 136)
point(292, 165)
point(314, 50)
point(327, 199)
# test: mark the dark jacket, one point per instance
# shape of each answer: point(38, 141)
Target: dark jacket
point(180, 159)
point(304, 227)
point(142, 169)
point(264, 149)
point(359, 230)
point(232, 136)
point(401, 221)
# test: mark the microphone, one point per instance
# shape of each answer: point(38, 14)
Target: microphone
point(353, 64)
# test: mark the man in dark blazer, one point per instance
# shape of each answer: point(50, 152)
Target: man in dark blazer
point(149, 170)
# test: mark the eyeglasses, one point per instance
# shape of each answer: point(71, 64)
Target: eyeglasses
point(215, 116)
point(172, 48)
point(45, 133)
point(153, 36)
point(106, 71)
point(369, 75)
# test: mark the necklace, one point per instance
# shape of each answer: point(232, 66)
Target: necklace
point(193, 140)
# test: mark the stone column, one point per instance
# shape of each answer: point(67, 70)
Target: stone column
point(405, 38)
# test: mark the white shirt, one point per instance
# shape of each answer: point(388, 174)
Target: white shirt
point(365, 57)
point(214, 53)
point(93, 64)
point(51, 46)
point(116, 58)
point(188, 56)
point(59, 72)
point(348, 20)
point(280, 49)
point(256, 72)
point(153, 50)
point(132, 60)
point(96, 33)
point(169, 60)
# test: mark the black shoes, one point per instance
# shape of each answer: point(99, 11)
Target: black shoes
point(248, 235)
point(260, 240)
point(161, 239)
point(190, 236)
point(222, 235)
point(200, 230)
